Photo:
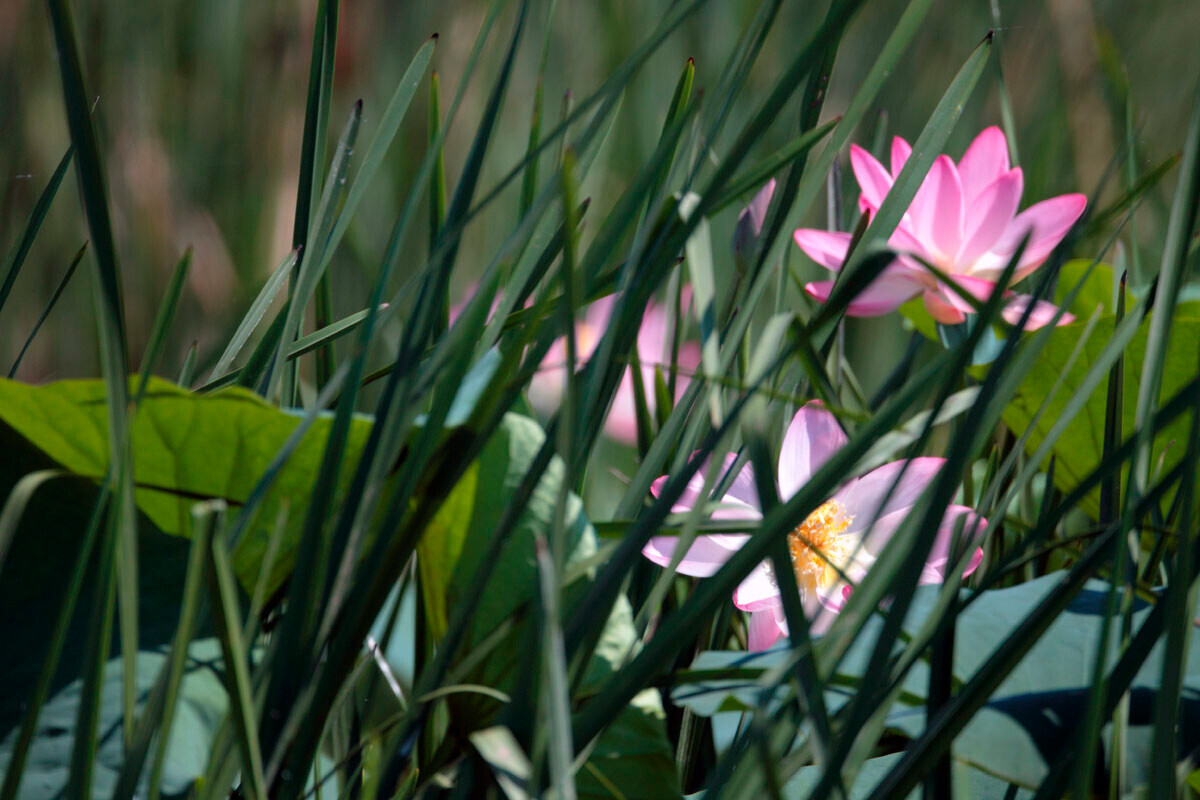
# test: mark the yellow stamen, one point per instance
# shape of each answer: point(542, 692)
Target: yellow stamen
point(817, 546)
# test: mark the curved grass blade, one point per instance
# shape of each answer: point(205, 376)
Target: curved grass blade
point(15, 768)
point(58, 290)
point(110, 314)
point(16, 256)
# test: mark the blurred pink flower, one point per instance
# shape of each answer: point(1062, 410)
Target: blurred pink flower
point(849, 530)
point(653, 348)
point(963, 220)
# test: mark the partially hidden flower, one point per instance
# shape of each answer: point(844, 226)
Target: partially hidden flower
point(750, 224)
point(835, 546)
point(964, 221)
point(653, 349)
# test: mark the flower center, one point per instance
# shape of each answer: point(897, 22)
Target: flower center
point(818, 547)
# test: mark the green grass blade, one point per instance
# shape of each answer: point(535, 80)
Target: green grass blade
point(99, 643)
point(188, 370)
point(555, 688)
point(162, 323)
point(58, 290)
point(756, 175)
point(312, 147)
point(16, 256)
point(254, 315)
point(925, 151)
point(679, 102)
point(223, 596)
point(1170, 279)
point(326, 211)
point(530, 180)
point(20, 750)
point(437, 185)
point(111, 316)
point(159, 711)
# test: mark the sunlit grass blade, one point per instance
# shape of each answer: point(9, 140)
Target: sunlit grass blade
point(58, 290)
point(756, 175)
point(313, 280)
point(188, 370)
point(16, 256)
point(925, 151)
point(162, 324)
point(254, 315)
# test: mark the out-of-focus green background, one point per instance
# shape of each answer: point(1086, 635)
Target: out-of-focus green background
point(200, 108)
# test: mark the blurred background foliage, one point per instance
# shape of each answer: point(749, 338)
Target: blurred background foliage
point(200, 108)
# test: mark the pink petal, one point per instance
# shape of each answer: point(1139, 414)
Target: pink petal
point(941, 309)
point(1042, 315)
point(824, 247)
point(937, 211)
point(758, 590)
point(867, 498)
point(706, 555)
point(1049, 222)
point(546, 385)
point(598, 313)
point(886, 293)
point(989, 215)
point(873, 180)
point(901, 150)
point(811, 439)
point(740, 502)
point(973, 526)
point(763, 631)
point(751, 219)
point(985, 161)
point(904, 240)
point(978, 288)
point(621, 422)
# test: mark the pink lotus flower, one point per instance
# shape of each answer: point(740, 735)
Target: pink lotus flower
point(841, 538)
point(653, 349)
point(964, 221)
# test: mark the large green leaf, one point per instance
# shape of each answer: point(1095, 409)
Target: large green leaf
point(1079, 448)
point(1029, 719)
point(969, 783)
point(633, 753)
point(186, 447)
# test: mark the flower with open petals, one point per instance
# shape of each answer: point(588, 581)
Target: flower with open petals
point(653, 349)
point(964, 221)
point(837, 543)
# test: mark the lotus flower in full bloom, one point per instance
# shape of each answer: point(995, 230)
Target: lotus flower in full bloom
point(963, 220)
point(653, 349)
point(838, 541)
